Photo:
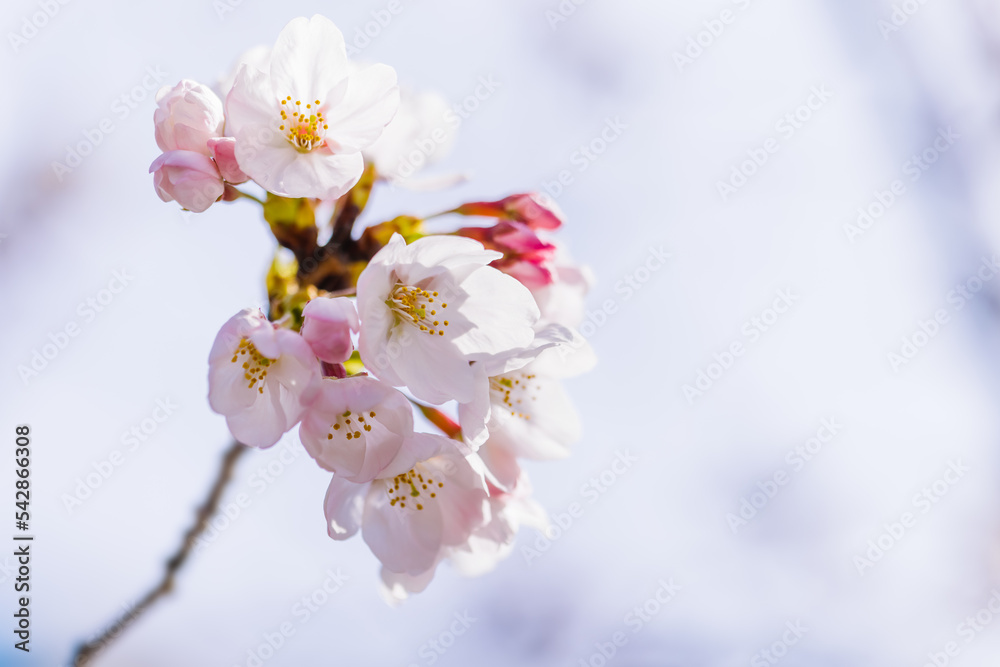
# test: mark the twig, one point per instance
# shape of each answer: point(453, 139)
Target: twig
point(87, 651)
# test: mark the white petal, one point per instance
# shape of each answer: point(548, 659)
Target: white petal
point(502, 310)
point(462, 500)
point(252, 102)
point(396, 587)
point(431, 367)
point(344, 506)
point(406, 540)
point(263, 423)
point(309, 59)
point(364, 456)
point(370, 103)
point(474, 415)
point(456, 256)
point(417, 447)
point(319, 174)
point(227, 388)
point(545, 425)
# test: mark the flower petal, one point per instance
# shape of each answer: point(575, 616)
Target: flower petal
point(371, 101)
point(344, 507)
point(309, 59)
point(503, 311)
point(406, 540)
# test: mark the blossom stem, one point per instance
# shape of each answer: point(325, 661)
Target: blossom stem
point(441, 420)
point(351, 206)
point(247, 195)
point(441, 214)
point(87, 651)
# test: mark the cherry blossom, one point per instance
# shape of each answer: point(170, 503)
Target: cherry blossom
point(301, 124)
point(261, 378)
point(356, 427)
point(474, 328)
point(430, 308)
point(432, 496)
point(486, 546)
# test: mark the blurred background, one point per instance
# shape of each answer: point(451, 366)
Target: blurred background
point(823, 177)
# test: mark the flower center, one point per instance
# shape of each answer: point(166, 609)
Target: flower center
point(254, 364)
point(413, 487)
point(303, 124)
point(417, 306)
point(510, 391)
point(345, 425)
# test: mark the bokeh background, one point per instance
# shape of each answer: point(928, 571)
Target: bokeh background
point(890, 89)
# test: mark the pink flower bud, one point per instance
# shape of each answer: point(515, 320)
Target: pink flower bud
point(535, 209)
point(187, 116)
point(328, 326)
point(526, 257)
point(223, 149)
point(191, 179)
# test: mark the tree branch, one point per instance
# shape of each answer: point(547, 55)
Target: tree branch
point(87, 651)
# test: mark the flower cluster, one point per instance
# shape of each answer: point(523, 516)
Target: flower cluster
point(471, 330)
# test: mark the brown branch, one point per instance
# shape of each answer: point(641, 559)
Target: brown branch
point(87, 651)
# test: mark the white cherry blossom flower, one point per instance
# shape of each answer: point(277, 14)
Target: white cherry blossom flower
point(529, 415)
point(489, 544)
point(301, 124)
point(432, 496)
point(430, 308)
point(356, 427)
point(261, 378)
